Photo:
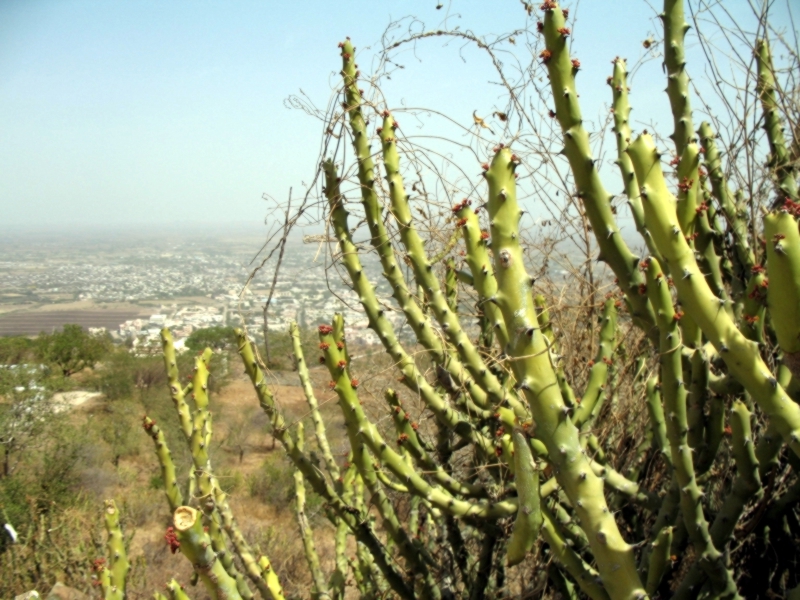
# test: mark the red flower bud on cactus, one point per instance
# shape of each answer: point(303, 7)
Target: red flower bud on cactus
point(172, 540)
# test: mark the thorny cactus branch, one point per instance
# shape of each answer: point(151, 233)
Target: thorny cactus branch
point(740, 355)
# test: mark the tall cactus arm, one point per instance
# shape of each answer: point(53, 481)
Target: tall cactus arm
point(480, 265)
point(688, 188)
point(535, 376)
point(312, 558)
point(674, 392)
point(783, 294)
point(596, 200)
point(425, 276)
point(675, 28)
point(622, 133)
point(379, 236)
point(658, 424)
point(754, 306)
point(740, 354)
point(585, 577)
point(196, 546)
point(659, 559)
point(529, 514)
point(118, 565)
point(215, 501)
point(780, 159)
point(746, 487)
point(171, 487)
point(383, 327)
point(599, 372)
point(737, 220)
point(311, 399)
point(709, 259)
point(175, 389)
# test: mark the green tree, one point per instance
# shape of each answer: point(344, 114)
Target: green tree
point(15, 350)
point(216, 338)
point(72, 349)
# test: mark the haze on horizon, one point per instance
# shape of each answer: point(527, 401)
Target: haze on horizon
point(129, 114)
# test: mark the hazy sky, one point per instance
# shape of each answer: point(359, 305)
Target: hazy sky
point(118, 113)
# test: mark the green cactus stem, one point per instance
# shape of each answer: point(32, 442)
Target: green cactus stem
point(780, 160)
point(783, 294)
point(311, 399)
point(746, 488)
point(754, 306)
point(116, 579)
point(710, 261)
point(196, 546)
point(535, 376)
point(407, 437)
point(675, 28)
point(736, 219)
point(529, 514)
point(658, 424)
point(697, 400)
point(176, 591)
point(674, 393)
point(312, 558)
point(598, 375)
point(357, 427)
point(659, 559)
point(363, 433)
point(688, 188)
point(171, 486)
point(383, 327)
point(451, 286)
point(596, 200)
point(560, 582)
point(379, 237)
point(546, 327)
point(426, 278)
point(208, 486)
point(584, 576)
point(270, 578)
point(622, 133)
point(479, 263)
point(740, 354)
point(360, 528)
point(175, 389)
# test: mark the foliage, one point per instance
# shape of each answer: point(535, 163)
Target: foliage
point(216, 338)
point(71, 349)
point(16, 350)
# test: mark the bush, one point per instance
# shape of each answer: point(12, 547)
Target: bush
point(72, 349)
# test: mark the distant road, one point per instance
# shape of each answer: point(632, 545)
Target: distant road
point(34, 322)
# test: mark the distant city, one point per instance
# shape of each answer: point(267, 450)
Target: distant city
point(133, 285)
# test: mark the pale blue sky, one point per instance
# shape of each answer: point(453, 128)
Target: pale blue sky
point(144, 112)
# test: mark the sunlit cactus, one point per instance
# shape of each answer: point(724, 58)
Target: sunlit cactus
point(520, 469)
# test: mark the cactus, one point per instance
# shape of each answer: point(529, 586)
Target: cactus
point(502, 449)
